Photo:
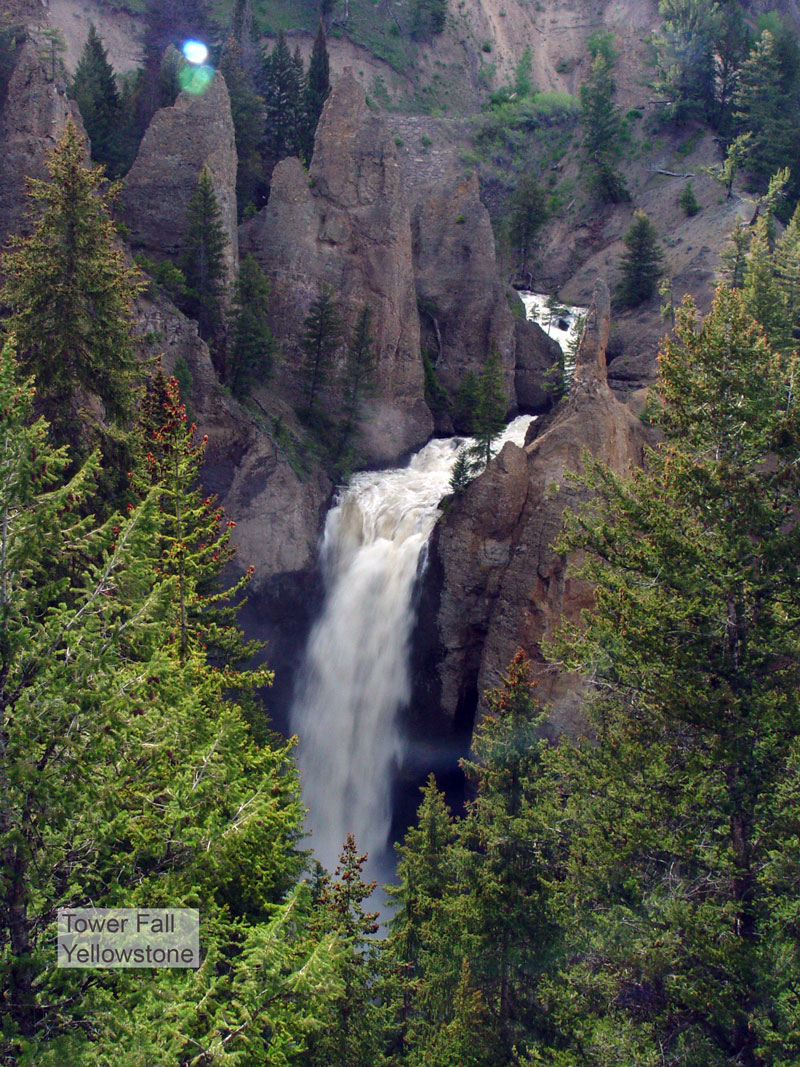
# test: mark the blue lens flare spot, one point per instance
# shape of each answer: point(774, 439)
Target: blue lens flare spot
point(195, 52)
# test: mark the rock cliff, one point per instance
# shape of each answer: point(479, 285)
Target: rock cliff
point(34, 115)
point(499, 583)
point(465, 309)
point(346, 225)
point(197, 132)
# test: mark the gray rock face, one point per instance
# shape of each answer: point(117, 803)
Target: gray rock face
point(502, 584)
point(465, 307)
point(34, 115)
point(347, 225)
point(197, 132)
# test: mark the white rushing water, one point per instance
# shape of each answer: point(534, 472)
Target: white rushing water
point(563, 328)
point(355, 678)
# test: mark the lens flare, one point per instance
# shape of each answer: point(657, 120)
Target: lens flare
point(195, 52)
point(195, 80)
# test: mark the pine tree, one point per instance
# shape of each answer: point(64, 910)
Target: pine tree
point(246, 111)
point(640, 265)
point(318, 86)
point(760, 110)
point(462, 472)
point(601, 123)
point(129, 778)
point(734, 258)
point(686, 60)
point(94, 90)
point(681, 915)
point(358, 376)
point(253, 348)
point(203, 263)
point(490, 411)
point(528, 212)
point(353, 1031)
point(70, 293)
point(322, 334)
point(282, 89)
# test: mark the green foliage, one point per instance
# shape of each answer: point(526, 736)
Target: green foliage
point(766, 82)
point(529, 210)
point(203, 262)
point(359, 376)
point(246, 111)
point(462, 472)
point(322, 334)
point(166, 276)
point(318, 85)
point(680, 941)
point(489, 411)
point(436, 396)
point(94, 90)
point(69, 292)
point(602, 128)
point(282, 87)
point(523, 83)
point(688, 200)
point(124, 743)
point(11, 36)
point(685, 58)
point(252, 352)
point(428, 19)
point(640, 264)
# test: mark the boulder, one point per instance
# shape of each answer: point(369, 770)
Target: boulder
point(501, 584)
point(346, 224)
point(197, 132)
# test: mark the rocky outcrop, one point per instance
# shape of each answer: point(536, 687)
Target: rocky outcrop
point(346, 225)
point(197, 132)
point(34, 115)
point(465, 309)
point(501, 584)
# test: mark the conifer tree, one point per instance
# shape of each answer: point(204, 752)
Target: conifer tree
point(601, 123)
point(253, 346)
point(685, 59)
point(760, 110)
point(640, 264)
point(94, 90)
point(246, 111)
point(358, 375)
point(353, 1031)
point(322, 334)
point(282, 90)
point(129, 778)
point(203, 263)
point(734, 257)
point(680, 912)
point(318, 85)
point(70, 293)
point(489, 416)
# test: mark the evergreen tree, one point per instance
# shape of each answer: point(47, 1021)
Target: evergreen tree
point(94, 90)
point(322, 334)
point(70, 293)
point(352, 1033)
point(490, 411)
point(462, 472)
point(318, 85)
point(601, 124)
point(640, 265)
point(682, 915)
point(762, 296)
point(282, 90)
point(429, 18)
point(760, 110)
point(358, 375)
point(246, 111)
point(253, 348)
point(528, 212)
point(466, 403)
point(130, 779)
point(686, 59)
point(203, 263)
point(734, 258)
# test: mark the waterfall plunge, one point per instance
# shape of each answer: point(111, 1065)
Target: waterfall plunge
point(355, 677)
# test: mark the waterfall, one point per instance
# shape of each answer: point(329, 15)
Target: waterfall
point(355, 677)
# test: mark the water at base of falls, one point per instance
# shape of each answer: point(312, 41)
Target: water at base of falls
point(355, 678)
